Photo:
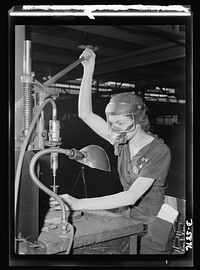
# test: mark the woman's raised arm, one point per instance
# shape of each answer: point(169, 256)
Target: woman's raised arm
point(85, 111)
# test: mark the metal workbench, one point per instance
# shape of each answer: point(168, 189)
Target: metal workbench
point(102, 232)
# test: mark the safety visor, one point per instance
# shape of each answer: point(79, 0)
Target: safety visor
point(120, 123)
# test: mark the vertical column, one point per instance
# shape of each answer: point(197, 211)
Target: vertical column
point(19, 46)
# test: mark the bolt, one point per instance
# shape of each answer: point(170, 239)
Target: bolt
point(64, 227)
point(43, 134)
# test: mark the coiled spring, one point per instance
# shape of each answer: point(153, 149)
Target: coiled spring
point(27, 106)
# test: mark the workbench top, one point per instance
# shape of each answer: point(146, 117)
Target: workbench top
point(93, 227)
point(101, 226)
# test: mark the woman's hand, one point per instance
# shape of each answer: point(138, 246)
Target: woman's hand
point(71, 203)
point(89, 57)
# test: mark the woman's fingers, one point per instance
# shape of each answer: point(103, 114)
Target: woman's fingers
point(71, 203)
point(58, 207)
point(54, 205)
point(53, 202)
point(87, 54)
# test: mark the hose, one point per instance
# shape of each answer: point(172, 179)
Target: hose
point(25, 143)
point(64, 224)
point(42, 186)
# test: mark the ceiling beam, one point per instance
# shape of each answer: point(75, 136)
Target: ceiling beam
point(53, 41)
point(158, 54)
point(167, 81)
point(114, 33)
point(138, 60)
point(174, 31)
point(70, 44)
point(140, 52)
point(52, 58)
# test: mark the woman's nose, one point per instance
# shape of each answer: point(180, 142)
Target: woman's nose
point(115, 125)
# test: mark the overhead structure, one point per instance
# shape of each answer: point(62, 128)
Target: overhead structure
point(146, 55)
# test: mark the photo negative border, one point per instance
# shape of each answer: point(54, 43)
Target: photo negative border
point(104, 15)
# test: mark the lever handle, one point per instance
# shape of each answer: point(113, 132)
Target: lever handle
point(66, 70)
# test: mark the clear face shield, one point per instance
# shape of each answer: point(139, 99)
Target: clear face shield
point(120, 122)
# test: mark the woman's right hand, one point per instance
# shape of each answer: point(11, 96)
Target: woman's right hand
point(89, 57)
point(71, 203)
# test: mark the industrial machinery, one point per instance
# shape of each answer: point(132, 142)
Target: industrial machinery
point(36, 142)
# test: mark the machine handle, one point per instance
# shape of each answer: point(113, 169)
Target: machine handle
point(66, 70)
point(63, 72)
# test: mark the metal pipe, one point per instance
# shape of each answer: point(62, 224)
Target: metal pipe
point(27, 58)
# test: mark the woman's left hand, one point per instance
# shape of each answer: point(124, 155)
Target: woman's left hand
point(71, 203)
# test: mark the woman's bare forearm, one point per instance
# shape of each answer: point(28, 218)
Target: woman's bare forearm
point(124, 198)
point(107, 202)
point(85, 111)
point(85, 100)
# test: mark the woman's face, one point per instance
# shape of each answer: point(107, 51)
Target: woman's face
point(121, 123)
point(121, 128)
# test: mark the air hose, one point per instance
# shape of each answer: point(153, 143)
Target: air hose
point(42, 186)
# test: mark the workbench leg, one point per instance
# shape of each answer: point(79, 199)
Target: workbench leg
point(133, 244)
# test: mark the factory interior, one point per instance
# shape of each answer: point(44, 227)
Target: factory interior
point(150, 60)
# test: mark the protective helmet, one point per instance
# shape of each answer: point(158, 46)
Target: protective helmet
point(131, 105)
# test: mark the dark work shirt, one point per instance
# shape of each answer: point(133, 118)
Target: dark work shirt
point(151, 161)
